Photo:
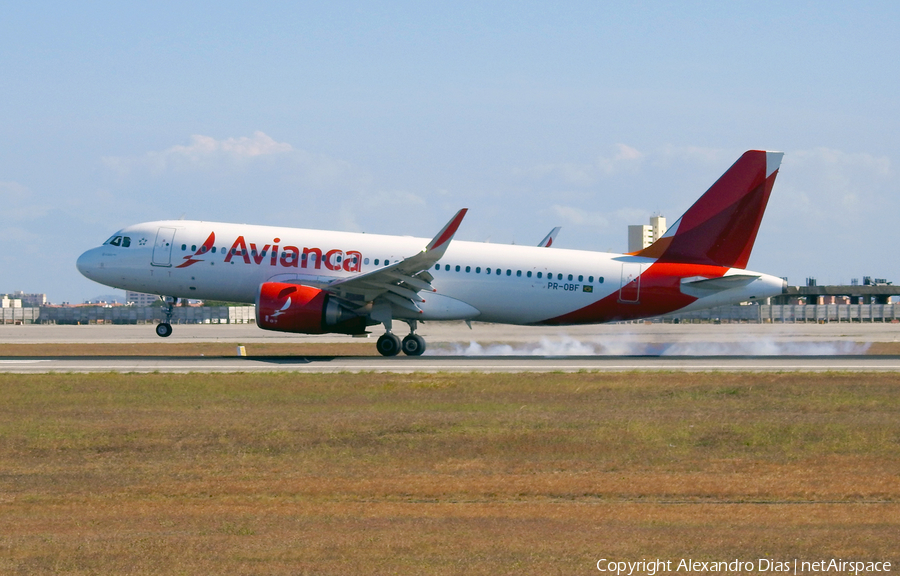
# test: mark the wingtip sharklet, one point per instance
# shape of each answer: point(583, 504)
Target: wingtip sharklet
point(446, 234)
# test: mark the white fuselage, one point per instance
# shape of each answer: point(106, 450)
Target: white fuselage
point(489, 282)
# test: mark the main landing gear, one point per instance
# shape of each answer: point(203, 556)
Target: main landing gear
point(390, 345)
point(164, 329)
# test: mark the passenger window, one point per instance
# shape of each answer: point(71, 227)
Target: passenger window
point(478, 269)
point(487, 270)
point(570, 277)
point(559, 276)
point(468, 269)
point(376, 260)
point(540, 274)
point(194, 248)
point(590, 279)
point(214, 250)
point(508, 272)
point(457, 267)
point(446, 267)
point(436, 266)
point(519, 273)
point(183, 247)
point(529, 274)
point(499, 271)
point(600, 279)
point(580, 278)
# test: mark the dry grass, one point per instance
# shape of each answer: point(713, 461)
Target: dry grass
point(442, 474)
point(884, 348)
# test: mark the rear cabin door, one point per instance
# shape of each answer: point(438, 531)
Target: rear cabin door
point(630, 287)
point(162, 249)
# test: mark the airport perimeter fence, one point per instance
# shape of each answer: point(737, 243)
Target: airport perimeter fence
point(145, 315)
point(765, 313)
point(19, 315)
point(753, 314)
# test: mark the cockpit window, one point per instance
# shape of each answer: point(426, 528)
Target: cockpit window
point(123, 241)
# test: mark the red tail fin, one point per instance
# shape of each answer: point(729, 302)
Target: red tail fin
point(720, 228)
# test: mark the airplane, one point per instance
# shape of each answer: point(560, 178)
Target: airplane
point(315, 281)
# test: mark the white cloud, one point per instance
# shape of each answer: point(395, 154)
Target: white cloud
point(625, 159)
point(832, 185)
point(18, 203)
point(579, 217)
point(259, 153)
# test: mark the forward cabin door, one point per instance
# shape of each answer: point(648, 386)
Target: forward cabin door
point(630, 286)
point(162, 249)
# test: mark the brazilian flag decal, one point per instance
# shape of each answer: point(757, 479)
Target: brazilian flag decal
point(587, 288)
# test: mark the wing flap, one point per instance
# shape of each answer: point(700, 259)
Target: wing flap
point(400, 282)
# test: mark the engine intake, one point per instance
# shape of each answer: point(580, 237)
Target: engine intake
point(303, 309)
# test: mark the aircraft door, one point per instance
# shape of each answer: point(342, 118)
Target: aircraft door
point(630, 287)
point(162, 249)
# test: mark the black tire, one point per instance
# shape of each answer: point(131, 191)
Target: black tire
point(388, 345)
point(163, 329)
point(413, 345)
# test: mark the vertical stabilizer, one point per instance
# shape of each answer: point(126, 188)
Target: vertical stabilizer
point(720, 228)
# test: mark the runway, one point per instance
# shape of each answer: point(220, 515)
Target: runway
point(487, 364)
point(453, 347)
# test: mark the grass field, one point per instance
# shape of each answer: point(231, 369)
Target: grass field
point(443, 473)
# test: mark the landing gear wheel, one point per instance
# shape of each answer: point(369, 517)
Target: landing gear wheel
point(163, 329)
point(388, 345)
point(413, 345)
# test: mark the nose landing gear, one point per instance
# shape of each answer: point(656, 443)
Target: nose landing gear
point(164, 329)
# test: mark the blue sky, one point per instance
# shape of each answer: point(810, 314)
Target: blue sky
point(388, 117)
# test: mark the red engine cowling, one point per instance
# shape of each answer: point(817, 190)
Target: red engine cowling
point(303, 309)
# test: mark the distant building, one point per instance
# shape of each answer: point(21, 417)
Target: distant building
point(639, 237)
point(140, 299)
point(7, 302)
point(27, 300)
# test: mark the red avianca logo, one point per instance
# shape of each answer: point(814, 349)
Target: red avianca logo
point(294, 257)
point(207, 246)
point(286, 256)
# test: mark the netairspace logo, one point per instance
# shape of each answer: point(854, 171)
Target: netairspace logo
point(568, 346)
point(762, 565)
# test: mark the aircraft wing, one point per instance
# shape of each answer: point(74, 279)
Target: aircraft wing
point(549, 238)
point(401, 282)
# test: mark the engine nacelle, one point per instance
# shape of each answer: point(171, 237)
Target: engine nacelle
point(303, 309)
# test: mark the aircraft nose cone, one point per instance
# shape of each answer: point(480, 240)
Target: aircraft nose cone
point(87, 263)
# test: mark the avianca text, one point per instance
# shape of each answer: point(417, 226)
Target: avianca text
point(294, 257)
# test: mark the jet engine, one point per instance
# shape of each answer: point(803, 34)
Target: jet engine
point(303, 309)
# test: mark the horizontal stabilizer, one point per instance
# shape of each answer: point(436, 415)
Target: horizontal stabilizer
point(700, 287)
